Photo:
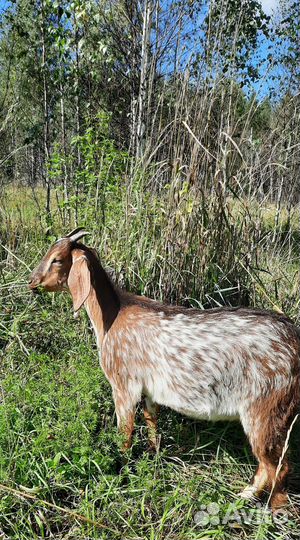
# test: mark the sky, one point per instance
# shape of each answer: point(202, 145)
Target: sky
point(269, 6)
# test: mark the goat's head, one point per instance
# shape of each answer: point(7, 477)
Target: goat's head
point(65, 266)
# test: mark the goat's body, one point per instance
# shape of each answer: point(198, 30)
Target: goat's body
point(212, 364)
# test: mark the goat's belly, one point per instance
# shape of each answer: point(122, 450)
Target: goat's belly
point(213, 416)
point(205, 411)
point(199, 403)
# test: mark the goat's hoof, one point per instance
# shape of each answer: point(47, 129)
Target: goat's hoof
point(249, 493)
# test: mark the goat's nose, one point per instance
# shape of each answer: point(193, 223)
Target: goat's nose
point(33, 287)
point(32, 282)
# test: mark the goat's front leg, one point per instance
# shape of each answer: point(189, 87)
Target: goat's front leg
point(150, 414)
point(125, 408)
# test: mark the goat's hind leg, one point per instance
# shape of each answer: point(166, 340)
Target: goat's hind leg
point(260, 480)
point(272, 476)
point(267, 431)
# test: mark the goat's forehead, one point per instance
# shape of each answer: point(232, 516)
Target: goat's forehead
point(61, 247)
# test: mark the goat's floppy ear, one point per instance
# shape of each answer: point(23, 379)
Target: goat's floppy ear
point(79, 281)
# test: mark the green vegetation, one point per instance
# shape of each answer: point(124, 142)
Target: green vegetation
point(58, 436)
point(170, 130)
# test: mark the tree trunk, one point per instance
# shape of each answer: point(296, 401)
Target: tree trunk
point(144, 72)
point(77, 109)
point(66, 212)
point(46, 114)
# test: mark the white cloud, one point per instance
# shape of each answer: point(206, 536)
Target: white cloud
point(269, 6)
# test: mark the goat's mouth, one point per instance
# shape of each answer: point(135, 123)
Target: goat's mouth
point(34, 287)
point(35, 290)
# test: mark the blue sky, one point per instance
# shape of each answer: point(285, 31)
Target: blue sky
point(3, 3)
point(270, 5)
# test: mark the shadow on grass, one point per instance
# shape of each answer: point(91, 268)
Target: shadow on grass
point(207, 443)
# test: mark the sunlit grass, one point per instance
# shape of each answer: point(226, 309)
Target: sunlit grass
point(57, 426)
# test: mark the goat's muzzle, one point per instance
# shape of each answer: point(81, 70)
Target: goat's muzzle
point(33, 286)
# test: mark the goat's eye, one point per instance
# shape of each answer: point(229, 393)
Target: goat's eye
point(56, 261)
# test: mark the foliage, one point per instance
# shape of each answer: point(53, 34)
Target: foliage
point(289, 34)
point(238, 38)
point(100, 175)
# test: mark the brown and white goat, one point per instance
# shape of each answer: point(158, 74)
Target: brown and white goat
point(212, 364)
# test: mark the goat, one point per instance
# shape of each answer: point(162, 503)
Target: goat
point(223, 363)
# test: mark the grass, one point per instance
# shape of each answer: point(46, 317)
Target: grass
point(59, 445)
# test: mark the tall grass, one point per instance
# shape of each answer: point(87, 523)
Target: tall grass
point(58, 436)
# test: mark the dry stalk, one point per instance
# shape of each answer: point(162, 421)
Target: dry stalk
point(70, 513)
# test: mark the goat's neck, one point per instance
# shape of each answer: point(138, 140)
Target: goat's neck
point(102, 304)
